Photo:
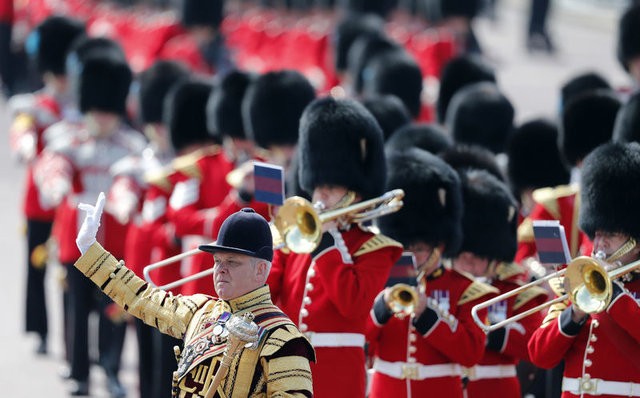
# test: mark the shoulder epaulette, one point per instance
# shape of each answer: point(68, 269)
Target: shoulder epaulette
point(506, 270)
point(376, 242)
point(525, 231)
point(188, 164)
point(557, 286)
point(160, 178)
point(548, 197)
point(476, 290)
point(281, 336)
point(554, 311)
point(527, 295)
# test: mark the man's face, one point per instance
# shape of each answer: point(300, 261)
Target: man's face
point(468, 262)
point(609, 242)
point(422, 251)
point(236, 274)
point(329, 195)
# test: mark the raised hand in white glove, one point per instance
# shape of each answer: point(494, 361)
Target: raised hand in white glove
point(89, 229)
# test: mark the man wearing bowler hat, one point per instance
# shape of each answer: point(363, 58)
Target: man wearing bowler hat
point(277, 364)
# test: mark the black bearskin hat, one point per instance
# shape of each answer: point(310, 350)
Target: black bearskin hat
point(464, 157)
point(429, 137)
point(490, 220)
point(55, 37)
point(341, 144)
point(461, 71)
point(155, 82)
point(185, 114)
point(272, 107)
point(364, 49)
point(389, 111)
point(348, 30)
point(609, 192)
point(224, 109)
point(534, 157)
point(629, 35)
point(104, 84)
point(580, 84)
point(432, 206)
point(397, 73)
point(587, 121)
point(627, 126)
point(481, 114)
point(202, 13)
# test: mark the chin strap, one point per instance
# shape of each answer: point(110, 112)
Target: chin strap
point(622, 250)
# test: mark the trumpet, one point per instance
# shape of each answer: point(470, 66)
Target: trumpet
point(403, 299)
point(587, 281)
point(299, 224)
point(298, 228)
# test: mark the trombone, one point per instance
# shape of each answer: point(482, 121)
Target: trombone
point(298, 228)
point(587, 281)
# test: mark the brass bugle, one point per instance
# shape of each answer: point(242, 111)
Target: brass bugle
point(403, 299)
point(586, 280)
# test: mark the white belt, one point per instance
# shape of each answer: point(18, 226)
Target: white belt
point(416, 371)
point(336, 339)
point(600, 387)
point(479, 372)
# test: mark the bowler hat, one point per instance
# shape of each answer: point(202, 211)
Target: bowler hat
point(244, 232)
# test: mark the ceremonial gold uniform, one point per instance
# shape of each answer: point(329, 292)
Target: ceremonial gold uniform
point(279, 367)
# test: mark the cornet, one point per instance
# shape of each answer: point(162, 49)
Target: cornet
point(298, 227)
point(587, 282)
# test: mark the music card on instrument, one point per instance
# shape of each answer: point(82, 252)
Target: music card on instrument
point(269, 183)
point(551, 242)
point(404, 271)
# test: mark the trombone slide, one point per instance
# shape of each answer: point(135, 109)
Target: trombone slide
point(147, 270)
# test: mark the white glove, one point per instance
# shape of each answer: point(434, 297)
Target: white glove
point(89, 229)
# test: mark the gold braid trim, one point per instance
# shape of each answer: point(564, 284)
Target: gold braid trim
point(158, 308)
point(476, 290)
point(290, 373)
point(528, 295)
point(188, 164)
point(554, 311)
point(506, 270)
point(376, 242)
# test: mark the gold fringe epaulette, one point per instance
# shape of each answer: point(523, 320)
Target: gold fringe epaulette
point(376, 242)
point(554, 311)
point(528, 295)
point(525, 231)
point(188, 164)
point(476, 290)
point(557, 286)
point(548, 197)
point(160, 178)
point(506, 270)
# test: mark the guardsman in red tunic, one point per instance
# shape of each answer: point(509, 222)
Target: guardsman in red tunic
point(156, 360)
point(600, 349)
point(488, 247)
point(78, 169)
point(32, 114)
point(329, 292)
point(422, 354)
point(587, 121)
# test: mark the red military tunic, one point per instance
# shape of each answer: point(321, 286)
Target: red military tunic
point(329, 297)
point(506, 346)
point(602, 356)
point(560, 203)
point(412, 360)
